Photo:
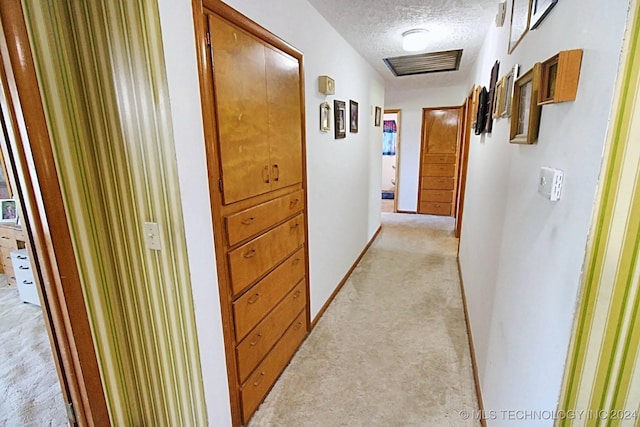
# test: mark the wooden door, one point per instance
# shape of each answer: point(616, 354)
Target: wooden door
point(438, 167)
point(285, 133)
point(242, 110)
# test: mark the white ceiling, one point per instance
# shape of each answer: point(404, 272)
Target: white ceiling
point(374, 28)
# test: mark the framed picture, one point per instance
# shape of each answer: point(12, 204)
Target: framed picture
point(8, 211)
point(325, 117)
point(378, 118)
point(525, 117)
point(507, 90)
point(353, 116)
point(340, 119)
point(495, 70)
point(539, 10)
point(520, 14)
point(497, 98)
point(474, 105)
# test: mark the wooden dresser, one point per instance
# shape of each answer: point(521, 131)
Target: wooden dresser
point(11, 239)
point(255, 149)
point(439, 160)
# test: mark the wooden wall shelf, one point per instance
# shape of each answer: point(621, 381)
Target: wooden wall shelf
point(560, 76)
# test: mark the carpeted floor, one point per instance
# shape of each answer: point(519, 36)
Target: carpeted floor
point(392, 349)
point(30, 394)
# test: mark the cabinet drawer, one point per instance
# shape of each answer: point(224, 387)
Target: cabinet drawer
point(259, 383)
point(5, 253)
point(251, 260)
point(436, 196)
point(437, 183)
point(438, 170)
point(7, 239)
point(251, 307)
point(258, 343)
point(435, 208)
point(439, 158)
point(252, 221)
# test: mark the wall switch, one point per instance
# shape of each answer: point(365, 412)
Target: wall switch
point(550, 184)
point(152, 235)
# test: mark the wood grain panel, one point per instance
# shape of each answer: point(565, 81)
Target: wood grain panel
point(434, 208)
point(260, 382)
point(241, 94)
point(440, 131)
point(250, 222)
point(437, 183)
point(437, 196)
point(285, 135)
point(258, 343)
point(438, 158)
point(251, 260)
point(439, 170)
point(251, 307)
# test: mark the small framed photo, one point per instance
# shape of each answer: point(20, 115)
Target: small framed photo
point(353, 115)
point(525, 117)
point(8, 210)
point(507, 90)
point(325, 117)
point(497, 98)
point(520, 14)
point(539, 10)
point(378, 118)
point(340, 119)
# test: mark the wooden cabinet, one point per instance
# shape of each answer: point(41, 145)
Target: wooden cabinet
point(255, 154)
point(441, 129)
point(11, 239)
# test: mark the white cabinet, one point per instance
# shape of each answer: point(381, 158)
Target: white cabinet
point(24, 277)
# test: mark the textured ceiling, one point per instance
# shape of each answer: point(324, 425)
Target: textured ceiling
point(374, 28)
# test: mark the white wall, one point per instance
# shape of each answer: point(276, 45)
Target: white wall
point(522, 255)
point(411, 102)
point(343, 175)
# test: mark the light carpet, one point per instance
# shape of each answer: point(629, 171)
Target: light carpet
point(30, 394)
point(392, 348)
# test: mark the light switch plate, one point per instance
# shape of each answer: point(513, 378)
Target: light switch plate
point(152, 235)
point(550, 184)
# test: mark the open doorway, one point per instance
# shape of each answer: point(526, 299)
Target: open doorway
point(390, 157)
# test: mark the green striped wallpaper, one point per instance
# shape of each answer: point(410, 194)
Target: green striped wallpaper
point(602, 380)
point(102, 77)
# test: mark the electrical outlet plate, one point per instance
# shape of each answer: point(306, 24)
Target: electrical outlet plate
point(152, 236)
point(550, 183)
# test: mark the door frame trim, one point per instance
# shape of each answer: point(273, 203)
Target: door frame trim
point(396, 189)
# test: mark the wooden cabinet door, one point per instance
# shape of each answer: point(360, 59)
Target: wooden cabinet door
point(441, 131)
point(242, 111)
point(285, 129)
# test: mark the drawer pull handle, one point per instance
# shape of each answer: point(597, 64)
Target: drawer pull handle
point(22, 257)
point(276, 172)
point(248, 221)
point(298, 326)
point(254, 298)
point(293, 203)
point(249, 254)
point(256, 340)
point(5, 237)
point(295, 262)
point(297, 294)
point(22, 267)
point(294, 226)
point(27, 282)
point(265, 174)
point(259, 380)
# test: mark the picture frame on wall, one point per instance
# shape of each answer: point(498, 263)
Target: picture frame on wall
point(340, 119)
point(525, 117)
point(8, 211)
point(507, 90)
point(497, 98)
point(539, 11)
point(495, 71)
point(325, 117)
point(519, 24)
point(378, 117)
point(353, 116)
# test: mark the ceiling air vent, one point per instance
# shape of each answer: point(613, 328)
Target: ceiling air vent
point(424, 63)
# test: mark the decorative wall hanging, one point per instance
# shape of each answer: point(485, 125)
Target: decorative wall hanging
point(8, 210)
point(481, 115)
point(340, 119)
point(539, 10)
point(560, 76)
point(495, 70)
point(326, 85)
point(510, 81)
point(325, 117)
point(525, 117)
point(378, 117)
point(353, 116)
point(474, 105)
point(520, 12)
point(497, 98)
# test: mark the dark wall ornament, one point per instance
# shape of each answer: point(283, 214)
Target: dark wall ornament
point(492, 88)
point(481, 117)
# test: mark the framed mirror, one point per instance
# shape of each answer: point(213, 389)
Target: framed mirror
point(520, 15)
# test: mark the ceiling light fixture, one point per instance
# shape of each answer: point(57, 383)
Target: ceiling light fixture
point(415, 40)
